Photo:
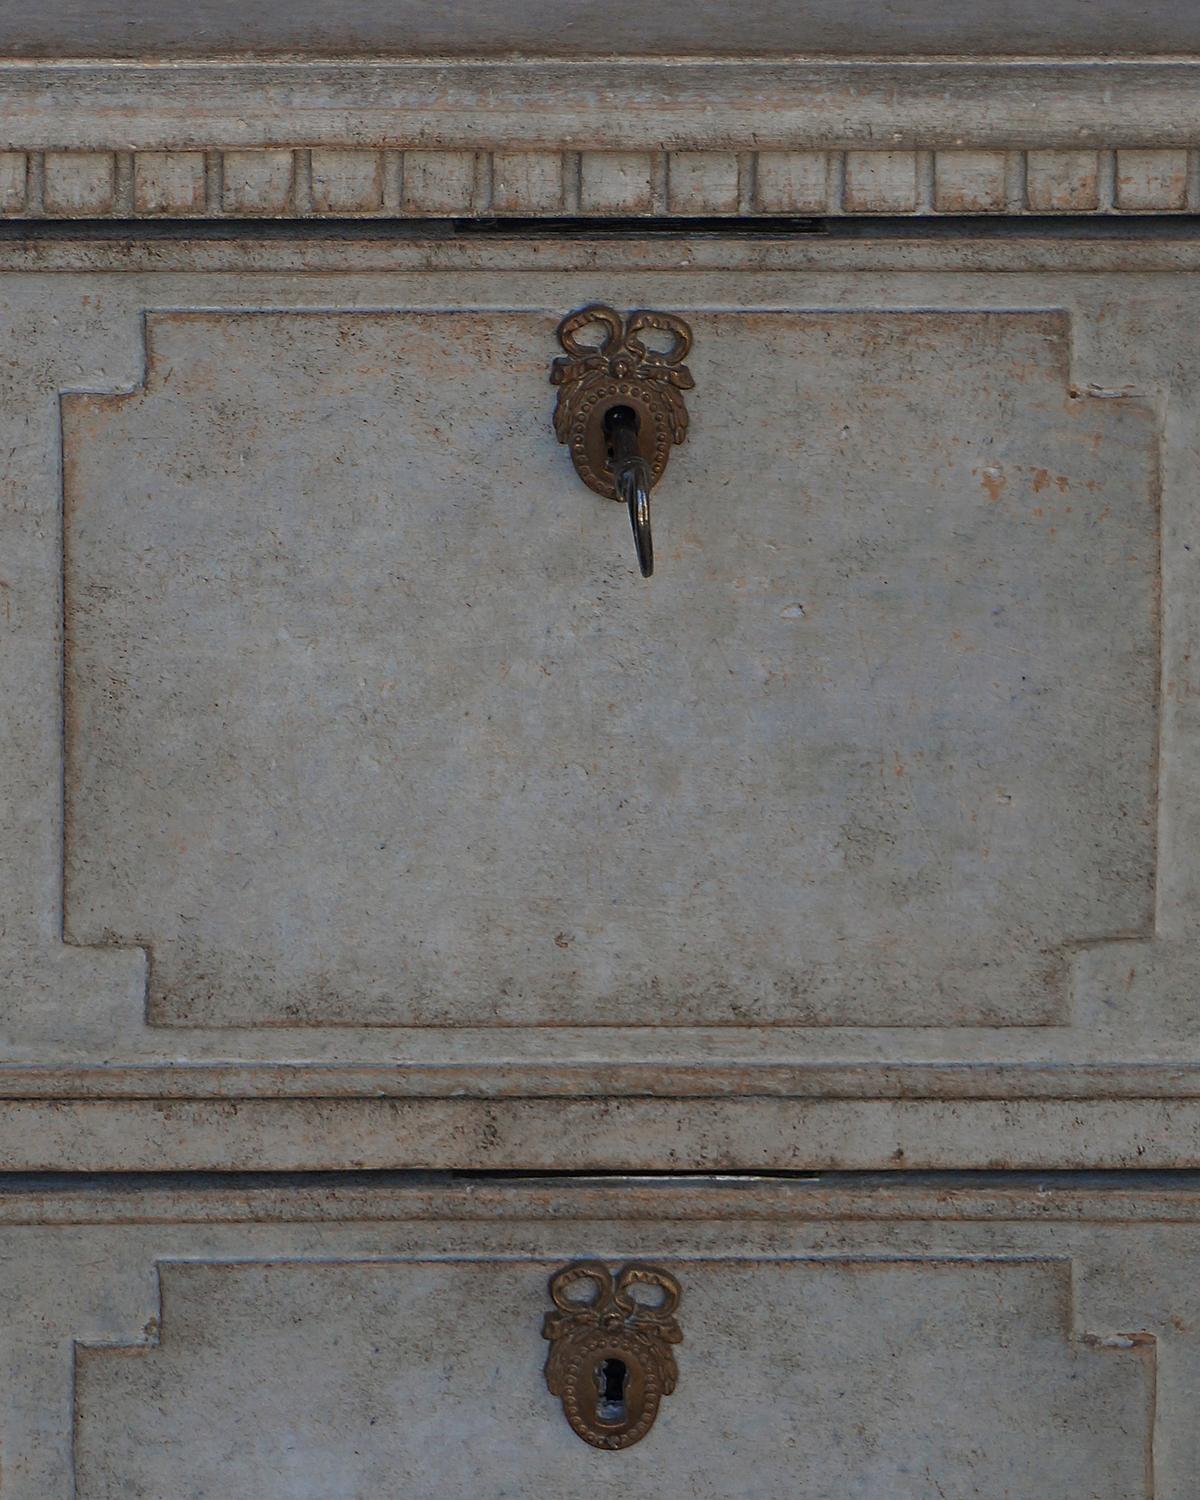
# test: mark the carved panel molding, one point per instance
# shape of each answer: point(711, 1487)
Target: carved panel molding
point(350, 182)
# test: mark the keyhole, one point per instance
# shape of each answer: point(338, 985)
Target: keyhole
point(620, 428)
point(612, 1376)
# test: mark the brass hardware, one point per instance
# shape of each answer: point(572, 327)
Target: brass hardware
point(619, 406)
point(610, 1359)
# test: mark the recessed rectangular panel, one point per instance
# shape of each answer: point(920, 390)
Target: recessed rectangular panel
point(797, 1377)
point(370, 719)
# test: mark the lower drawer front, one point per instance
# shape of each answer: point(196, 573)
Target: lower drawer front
point(848, 1339)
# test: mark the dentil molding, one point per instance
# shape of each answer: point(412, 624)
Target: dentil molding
point(550, 138)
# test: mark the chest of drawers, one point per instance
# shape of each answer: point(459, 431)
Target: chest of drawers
point(376, 833)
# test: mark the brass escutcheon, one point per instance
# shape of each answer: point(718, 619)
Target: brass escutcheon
point(619, 371)
point(610, 1359)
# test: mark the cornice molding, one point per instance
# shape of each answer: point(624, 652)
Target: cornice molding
point(626, 137)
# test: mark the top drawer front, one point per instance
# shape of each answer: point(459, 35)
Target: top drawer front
point(371, 720)
point(384, 770)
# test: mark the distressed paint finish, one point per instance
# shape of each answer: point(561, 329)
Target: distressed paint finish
point(78, 184)
point(170, 183)
point(527, 182)
point(639, 105)
point(360, 1338)
point(91, 1080)
point(343, 747)
point(344, 182)
point(880, 182)
point(968, 182)
point(866, 840)
point(423, 1378)
point(594, 1133)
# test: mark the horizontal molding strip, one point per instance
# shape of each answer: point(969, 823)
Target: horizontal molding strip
point(353, 182)
point(1123, 1198)
point(617, 105)
point(587, 1135)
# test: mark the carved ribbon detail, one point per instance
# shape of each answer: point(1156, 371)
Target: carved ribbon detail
point(610, 1359)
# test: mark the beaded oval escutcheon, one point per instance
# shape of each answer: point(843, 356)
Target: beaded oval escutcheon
point(610, 1360)
point(618, 370)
